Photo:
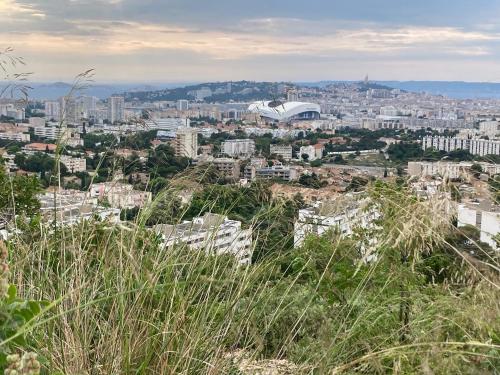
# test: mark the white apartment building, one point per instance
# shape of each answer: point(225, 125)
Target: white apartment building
point(70, 207)
point(214, 234)
point(487, 221)
point(74, 164)
point(120, 195)
point(313, 152)
point(276, 172)
point(182, 105)
point(186, 143)
point(481, 147)
point(285, 151)
point(68, 110)
point(238, 147)
point(116, 109)
point(169, 124)
point(52, 110)
point(489, 127)
point(343, 214)
point(14, 135)
point(87, 106)
point(447, 169)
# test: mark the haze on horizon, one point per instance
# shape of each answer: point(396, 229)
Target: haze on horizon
point(193, 41)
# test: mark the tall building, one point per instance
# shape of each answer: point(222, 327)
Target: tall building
point(238, 147)
point(182, 105)
point(68, 111)
point(87, 106)
point(292, 96)
point(186, 143)
point(116, 109)
point(52, 110)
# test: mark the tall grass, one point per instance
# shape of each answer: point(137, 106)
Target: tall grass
point(122, 304)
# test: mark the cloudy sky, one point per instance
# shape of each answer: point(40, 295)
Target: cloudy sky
point(202, 40)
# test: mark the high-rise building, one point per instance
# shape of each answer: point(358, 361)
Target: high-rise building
point(186, 143)
point(292, 96)
point(68, 111)
point(182, 105)
point(87, 106)
point(52, 110)
point(116, 109)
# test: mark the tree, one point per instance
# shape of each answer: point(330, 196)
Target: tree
point(18, 195)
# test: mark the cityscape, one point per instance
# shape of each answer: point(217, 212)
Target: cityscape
point(314, 222)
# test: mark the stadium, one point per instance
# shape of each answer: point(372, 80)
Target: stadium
point(285, 111)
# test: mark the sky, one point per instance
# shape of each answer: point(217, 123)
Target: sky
point(275, 40)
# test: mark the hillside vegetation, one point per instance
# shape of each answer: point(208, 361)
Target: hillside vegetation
point(113, 302)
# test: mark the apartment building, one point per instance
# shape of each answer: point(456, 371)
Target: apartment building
point(284, 151)
point(69, 207)
point(343, 214)
point(238, 147)
point(120, 195)
point(276, 172)
point(448, 169)
point(227, 167)
point(481, 147)
point(74, 164)
point(186, 143)
point(484, 218)
point(214, 234)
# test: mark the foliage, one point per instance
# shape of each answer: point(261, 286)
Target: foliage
point(18, 195)
point(162, 162)
point(15, 314)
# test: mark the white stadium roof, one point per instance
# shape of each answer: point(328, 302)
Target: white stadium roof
point(282, 111)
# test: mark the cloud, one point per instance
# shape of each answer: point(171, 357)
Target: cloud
point(11, 8)
point(228, 33)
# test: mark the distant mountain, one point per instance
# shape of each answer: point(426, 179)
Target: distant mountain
point(51, 91)
point(240, 91)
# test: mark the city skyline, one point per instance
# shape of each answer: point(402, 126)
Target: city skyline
point(179, 41)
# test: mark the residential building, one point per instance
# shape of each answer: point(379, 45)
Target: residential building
point(481, 147)
point(68, 111)
point(186, 143)
point(182, 105)
point(276, 172)
point(283, 151)
point(484, 218)
point(214, 234)
point(238, 147)
point(116, 109)
point(14, 132)
point(74, 164)
point(52, 110)
point(313, 152)
point(227, 167)
point(120, 195)
point(169, 124)
point(70, 207)
point(343, 214)
point(448, 169)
